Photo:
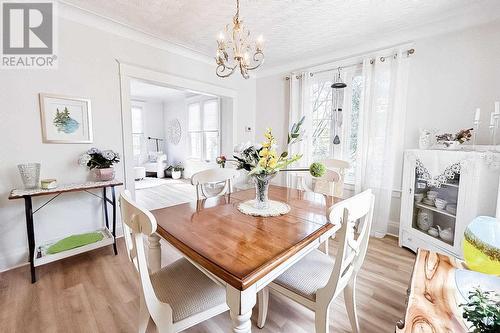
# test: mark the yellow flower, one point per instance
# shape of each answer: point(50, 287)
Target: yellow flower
point(272, 153)
point(264, 152)
point(263, 162)
point(272, 163)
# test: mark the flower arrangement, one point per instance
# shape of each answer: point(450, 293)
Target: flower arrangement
point(96, 159)
point(461, 137)
point(264, 159)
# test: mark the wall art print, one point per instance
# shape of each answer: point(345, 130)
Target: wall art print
point(65, 119)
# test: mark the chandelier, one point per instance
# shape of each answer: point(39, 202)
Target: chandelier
point(244, 54)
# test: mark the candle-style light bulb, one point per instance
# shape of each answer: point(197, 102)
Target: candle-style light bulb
point(221, 37)
point(260, 42)
point(497, 107)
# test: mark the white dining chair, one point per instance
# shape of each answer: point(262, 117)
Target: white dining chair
point(325, 185)
point(177, 296)
point(317, 279)
point(219, 179)
point(339, 166)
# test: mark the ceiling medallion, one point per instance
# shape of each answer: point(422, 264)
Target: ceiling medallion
point(237, 41)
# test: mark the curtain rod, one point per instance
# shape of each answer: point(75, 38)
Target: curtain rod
point(408, 52)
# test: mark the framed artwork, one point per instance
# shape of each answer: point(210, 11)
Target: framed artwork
point(65, 119)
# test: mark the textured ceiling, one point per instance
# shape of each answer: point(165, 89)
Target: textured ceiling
point(293, 29)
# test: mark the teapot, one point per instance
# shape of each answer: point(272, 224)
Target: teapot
point(445, 234)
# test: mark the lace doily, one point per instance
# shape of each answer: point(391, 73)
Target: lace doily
point(436, 181)
point(276, 208)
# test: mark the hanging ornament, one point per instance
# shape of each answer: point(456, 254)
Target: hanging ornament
point(337, 103)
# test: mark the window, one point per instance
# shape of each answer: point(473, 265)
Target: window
point(204, 130)
point(137, 131)
point(323, 124)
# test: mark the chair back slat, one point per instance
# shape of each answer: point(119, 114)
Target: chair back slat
point(351, 250)
point(213, 176)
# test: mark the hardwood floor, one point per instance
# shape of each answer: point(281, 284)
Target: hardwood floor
point(98, 292)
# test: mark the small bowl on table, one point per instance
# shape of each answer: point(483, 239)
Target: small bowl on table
point(432, 195)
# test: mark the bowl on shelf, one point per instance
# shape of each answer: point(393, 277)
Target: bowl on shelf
point(432, 195)
point(440, 203)
point(419, 197)
point(433, 232)
point(451, 208)
point(428, 202)
point(425, 219)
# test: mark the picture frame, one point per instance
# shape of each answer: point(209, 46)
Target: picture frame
point(65, 119)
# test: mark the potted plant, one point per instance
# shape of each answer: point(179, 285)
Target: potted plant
point(101, 162)
point(177, 171)
point(482, 311)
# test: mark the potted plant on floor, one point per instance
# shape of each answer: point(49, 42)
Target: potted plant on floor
point(101, 162)
point(177, 171)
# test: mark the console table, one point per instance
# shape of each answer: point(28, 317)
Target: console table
point(42, 258)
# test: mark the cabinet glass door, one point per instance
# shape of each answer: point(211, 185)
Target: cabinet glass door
point(435, 206)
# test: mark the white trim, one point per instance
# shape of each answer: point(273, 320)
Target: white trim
point(84, 16)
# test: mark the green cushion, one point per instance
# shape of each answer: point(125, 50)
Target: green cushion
point(74, 241)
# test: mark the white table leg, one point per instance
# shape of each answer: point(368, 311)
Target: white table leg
point(240, 307)
point(154, 253)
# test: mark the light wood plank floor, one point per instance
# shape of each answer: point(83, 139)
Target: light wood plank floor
point(98, 292)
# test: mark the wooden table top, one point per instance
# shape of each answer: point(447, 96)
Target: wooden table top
point(238, 248)
point(62, 188)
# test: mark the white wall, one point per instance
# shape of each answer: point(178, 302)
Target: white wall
point(87, 68)
point(451, 75)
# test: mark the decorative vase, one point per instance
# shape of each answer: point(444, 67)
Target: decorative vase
point(481, 245)
point(30, 174)
point(105, 174)
point(261, 190)
point(427, 139)
point(176, 174)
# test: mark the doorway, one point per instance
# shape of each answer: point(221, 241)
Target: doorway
point(172, 128)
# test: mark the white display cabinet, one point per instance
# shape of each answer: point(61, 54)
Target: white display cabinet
point(467, 179)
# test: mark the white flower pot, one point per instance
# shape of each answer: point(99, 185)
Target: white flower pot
point(176, 174)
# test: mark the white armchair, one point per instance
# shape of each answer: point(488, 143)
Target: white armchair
point(156, 164)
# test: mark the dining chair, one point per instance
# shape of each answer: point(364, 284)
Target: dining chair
point(220, 179)
point(340, 166)
point(177, 296)
point(317, 279)
point(325, 185)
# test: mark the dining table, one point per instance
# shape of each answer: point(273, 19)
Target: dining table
point(243, 253)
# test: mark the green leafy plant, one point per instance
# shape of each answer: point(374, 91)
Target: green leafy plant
point(317, 169)
point(482, 311)
point(178, 167)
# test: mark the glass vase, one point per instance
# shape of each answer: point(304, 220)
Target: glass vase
point(262, 182)
point(30, 174)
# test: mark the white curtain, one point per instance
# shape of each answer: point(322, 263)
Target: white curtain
point(380, 137)
point(299, 107)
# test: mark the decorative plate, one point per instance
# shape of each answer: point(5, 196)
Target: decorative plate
point(276, 208)
point(174, 131)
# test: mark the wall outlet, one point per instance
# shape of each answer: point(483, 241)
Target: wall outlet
point(248, 128)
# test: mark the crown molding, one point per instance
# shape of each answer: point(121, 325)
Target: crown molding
point(77, 14)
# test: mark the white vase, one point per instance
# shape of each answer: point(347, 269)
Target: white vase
point(426, 140)
point(176, 174)
point(30, 174)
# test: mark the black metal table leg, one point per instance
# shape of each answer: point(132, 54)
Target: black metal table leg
point(113, 198)
point(31, 235)
point(105, 203)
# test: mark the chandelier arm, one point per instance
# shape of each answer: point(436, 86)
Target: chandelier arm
point(256, 57)
point(222, 68)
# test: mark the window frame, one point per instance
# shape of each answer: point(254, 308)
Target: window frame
point(137, 105)
point(201, 102)
point(344, 150)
